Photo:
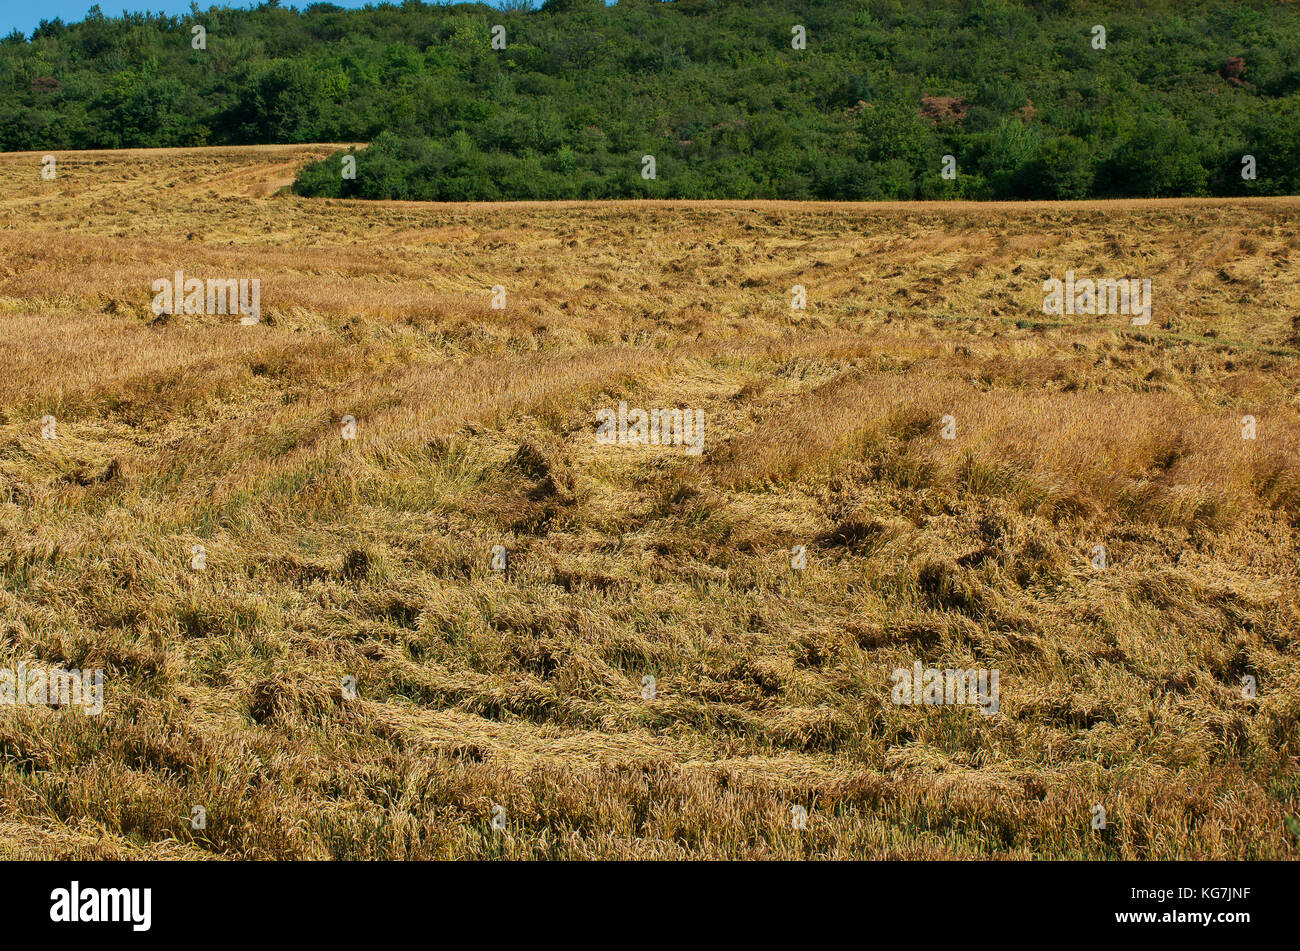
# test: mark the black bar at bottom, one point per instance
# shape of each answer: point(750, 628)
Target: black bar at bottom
point(331, 901)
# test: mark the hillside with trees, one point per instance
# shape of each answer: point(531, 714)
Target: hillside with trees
point(1019, 94)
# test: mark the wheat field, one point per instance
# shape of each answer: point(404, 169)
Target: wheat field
point(520, 693)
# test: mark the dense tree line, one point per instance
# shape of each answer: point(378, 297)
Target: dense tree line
point(1017, 92)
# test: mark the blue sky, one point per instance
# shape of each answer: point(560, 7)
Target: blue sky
point(26, 14)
